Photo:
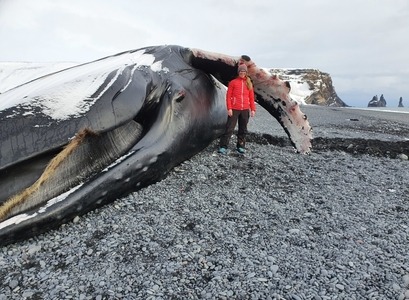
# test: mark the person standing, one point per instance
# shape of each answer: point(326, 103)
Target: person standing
point(240, 106)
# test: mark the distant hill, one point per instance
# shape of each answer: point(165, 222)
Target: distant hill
point(311, 86)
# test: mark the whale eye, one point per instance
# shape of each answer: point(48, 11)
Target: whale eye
point(180, 96)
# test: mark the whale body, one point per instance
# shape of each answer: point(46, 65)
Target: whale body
point(84, 136)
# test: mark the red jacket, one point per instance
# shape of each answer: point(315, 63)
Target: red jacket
point(239, 97)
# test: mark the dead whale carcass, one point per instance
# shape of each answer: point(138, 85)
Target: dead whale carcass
point(81, 137)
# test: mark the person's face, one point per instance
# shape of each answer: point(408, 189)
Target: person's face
point(242, 74)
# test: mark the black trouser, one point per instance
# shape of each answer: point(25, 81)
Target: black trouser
point(242, 116)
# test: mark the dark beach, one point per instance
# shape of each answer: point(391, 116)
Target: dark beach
point(272, 224)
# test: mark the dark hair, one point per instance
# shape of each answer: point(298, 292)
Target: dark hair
point(245, 57)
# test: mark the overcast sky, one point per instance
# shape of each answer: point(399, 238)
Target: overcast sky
point(362, 44)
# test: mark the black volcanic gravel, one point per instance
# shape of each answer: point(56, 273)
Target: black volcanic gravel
point(271, 224)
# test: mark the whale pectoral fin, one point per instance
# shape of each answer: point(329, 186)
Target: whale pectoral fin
point(87, 154)
point(297, 127)
point(292, 120)
point(273, 95)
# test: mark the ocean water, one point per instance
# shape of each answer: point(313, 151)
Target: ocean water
point(384, 109)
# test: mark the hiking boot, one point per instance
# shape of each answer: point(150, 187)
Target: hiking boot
point(241, 150)
point(222, 150)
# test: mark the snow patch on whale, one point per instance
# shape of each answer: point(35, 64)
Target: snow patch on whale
point(73, 98)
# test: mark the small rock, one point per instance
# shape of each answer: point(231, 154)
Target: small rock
point(33, 249)
point(405, 280)
point(274, 269)
point(43, 264)
point(108, 271)
point(402, 156)
point(27, 294)
point(13, 284)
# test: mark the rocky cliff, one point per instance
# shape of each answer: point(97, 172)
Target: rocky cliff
point(375, 102)
point(400, 102)
point(310, 86)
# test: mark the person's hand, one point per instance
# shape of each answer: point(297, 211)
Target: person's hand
point(230, 112)
point(252, 113)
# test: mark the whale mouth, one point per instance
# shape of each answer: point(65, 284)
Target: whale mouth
point(87, 154)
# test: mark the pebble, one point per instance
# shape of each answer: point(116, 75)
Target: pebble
point(108, 271)
point(13, 284)
point(226, 238)
point(33, 249)
point(405, 280)
point(274, 268)
point(402, 156)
